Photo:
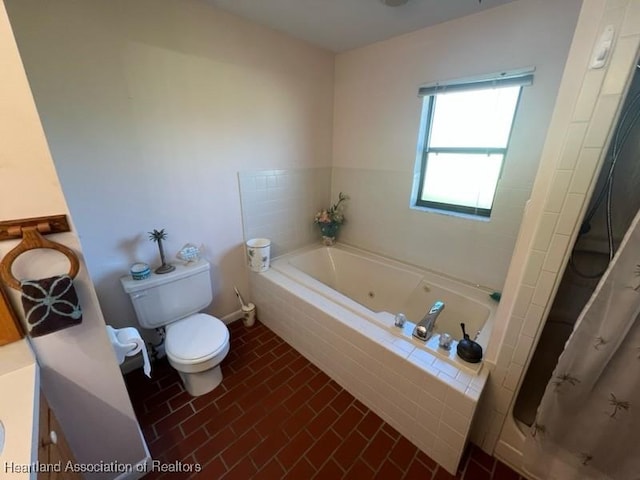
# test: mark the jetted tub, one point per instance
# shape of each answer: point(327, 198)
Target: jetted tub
point(336, 305)
point(378, 288)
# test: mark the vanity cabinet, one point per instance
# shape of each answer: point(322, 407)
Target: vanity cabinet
point(10, 328)
point(52, 446)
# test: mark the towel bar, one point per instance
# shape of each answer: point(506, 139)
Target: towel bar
point(31, 240)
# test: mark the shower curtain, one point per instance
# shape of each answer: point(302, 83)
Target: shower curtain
point(588, 423)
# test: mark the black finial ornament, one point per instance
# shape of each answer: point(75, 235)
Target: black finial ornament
point(467, 349)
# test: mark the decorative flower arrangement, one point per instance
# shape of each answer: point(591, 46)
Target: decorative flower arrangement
point(329, 220)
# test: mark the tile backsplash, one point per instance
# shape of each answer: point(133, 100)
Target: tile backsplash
point(280, 205)
point(380, 219)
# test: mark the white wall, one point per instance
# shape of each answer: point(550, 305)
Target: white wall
point(80, 376)
point(376, 119)
point(151, 108)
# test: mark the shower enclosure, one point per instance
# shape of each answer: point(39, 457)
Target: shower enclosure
point(615, 201)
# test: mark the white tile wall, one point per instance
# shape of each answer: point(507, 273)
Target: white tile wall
point(281, 204)
point(631, 23)
point(556, 253)
point(570, 212)
point(559, 189)
point(572, 144)
point(477, 251)
point(626, 53)
point(429, 401)
point(585, 170)
point(586, 136)
point(600, 123)
point(532, 320)
point(534, 267)
point(545, 230)
point(590, 88)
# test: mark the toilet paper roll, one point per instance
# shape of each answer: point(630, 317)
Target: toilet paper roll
point(127, 342)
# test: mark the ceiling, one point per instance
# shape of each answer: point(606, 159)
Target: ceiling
point(340, 25)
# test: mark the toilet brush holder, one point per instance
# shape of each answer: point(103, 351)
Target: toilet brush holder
point(248, 315)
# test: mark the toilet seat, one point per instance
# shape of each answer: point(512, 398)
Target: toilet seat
point(196, 339)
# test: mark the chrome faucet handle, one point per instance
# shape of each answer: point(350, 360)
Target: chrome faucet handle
point(399, 320)
point(445, 341)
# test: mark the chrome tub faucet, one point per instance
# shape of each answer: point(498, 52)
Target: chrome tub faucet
point(424, 328)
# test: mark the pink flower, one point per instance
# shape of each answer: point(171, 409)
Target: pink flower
point(324, 217)
point(333, 214)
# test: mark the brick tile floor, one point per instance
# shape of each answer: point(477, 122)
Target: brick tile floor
point(277, 416)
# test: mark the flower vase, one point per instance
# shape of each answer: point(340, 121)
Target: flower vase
point(329, 231)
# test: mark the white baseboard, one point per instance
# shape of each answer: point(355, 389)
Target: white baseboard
point(232, 317)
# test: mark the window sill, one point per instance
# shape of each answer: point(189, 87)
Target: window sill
point(467, 216)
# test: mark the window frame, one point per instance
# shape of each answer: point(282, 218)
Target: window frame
point(501, 80)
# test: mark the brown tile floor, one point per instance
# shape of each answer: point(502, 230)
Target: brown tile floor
point(277, 416)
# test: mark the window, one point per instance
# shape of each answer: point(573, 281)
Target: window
point(465, 133)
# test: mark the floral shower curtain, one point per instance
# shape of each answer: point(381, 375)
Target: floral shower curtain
point(588, 423)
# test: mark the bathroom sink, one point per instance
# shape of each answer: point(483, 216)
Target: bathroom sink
point(18, 410)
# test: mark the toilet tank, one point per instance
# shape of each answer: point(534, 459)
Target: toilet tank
point(162, 299)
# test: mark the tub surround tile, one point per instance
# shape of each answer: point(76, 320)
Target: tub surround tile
point(544, 231)
point(424, 358)
point(452, 382)
point(280, 204)
point(513, 377)
point(556, 253)
point(533, 268)
point(373, 372)
point(626, 52)
point(513, 330)
point(431, 404)
point(600, 124)
point(504, 357)
point(446, 368)
point(465, 378)
point(570, 213)
point(453, 438)
point(532, 320)
point(572, 145)
point(588, 95)
point(406, 233)
point(544, 288)
point(522, 301)
point(522, 350)
point(587, 163)
point(631, 24)
point(465, 405)
point(558, 191)
point(502, 399)
point(456, 421)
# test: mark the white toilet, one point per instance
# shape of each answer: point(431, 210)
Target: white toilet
point(195, 343)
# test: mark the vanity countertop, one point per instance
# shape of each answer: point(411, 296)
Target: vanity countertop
point(19, 387)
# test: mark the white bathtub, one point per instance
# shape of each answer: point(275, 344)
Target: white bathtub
point(336, 306)
point(377, 288)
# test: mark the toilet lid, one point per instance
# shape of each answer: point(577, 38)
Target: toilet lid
point(196, 337)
